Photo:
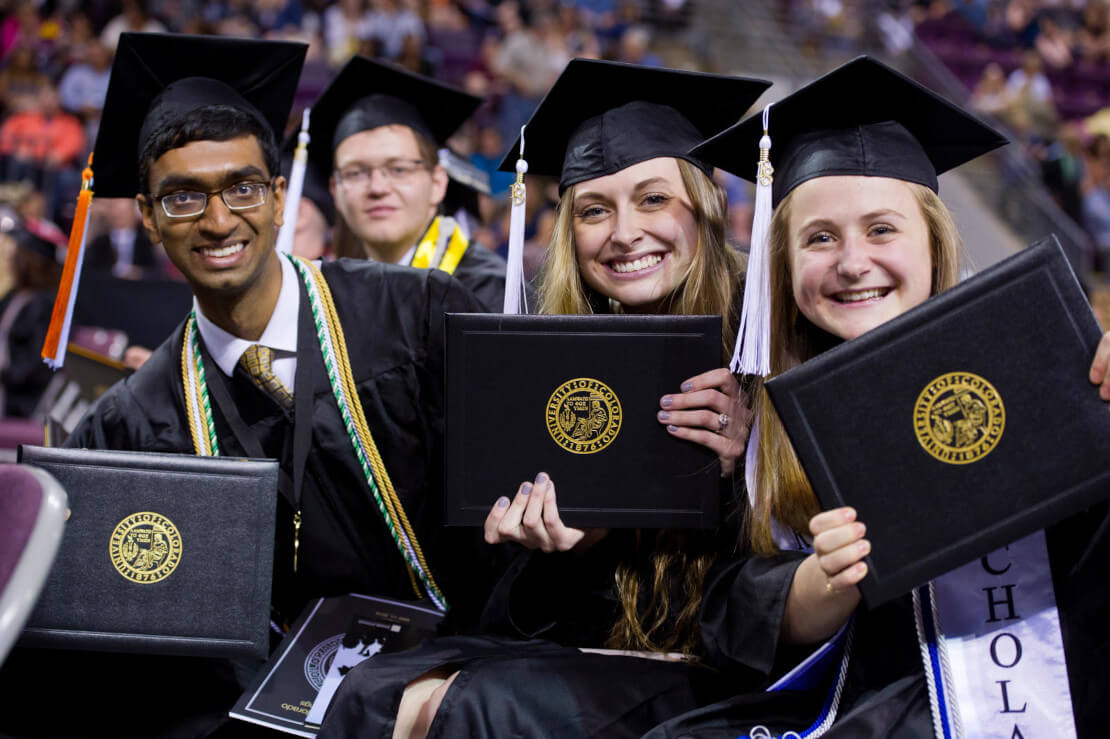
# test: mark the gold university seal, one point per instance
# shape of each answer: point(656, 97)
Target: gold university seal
point(583, 415)
point(959, 418)
point(145, 547)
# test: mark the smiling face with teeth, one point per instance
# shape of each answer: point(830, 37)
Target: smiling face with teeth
point(635, 233)
point(222, 253)
point(859, 252)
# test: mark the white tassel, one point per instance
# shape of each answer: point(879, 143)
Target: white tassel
point(516, 301)
point(752, 355)
point(294, 189)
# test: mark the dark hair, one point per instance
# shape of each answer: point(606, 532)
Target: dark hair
point(207, 123)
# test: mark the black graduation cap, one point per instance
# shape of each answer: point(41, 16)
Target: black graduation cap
point(368, 94)
point(600, 117)
point(157, 77)
point(465, 182)
point(863, 118)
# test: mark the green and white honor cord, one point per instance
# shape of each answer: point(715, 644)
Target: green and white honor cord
point(333, 348)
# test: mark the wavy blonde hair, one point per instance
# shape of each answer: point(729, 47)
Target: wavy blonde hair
point(665, 563)
point(783, 492)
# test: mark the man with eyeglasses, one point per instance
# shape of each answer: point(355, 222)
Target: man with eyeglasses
point(376, 132)
point(286, 351)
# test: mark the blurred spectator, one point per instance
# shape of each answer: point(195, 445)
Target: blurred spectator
point(1021, 21)
point(134, 17)
point(521, 59)
point(1094, 33)
point(44, 145)
point(389, 24)
point(25, 315)
point(413, 58)
point(1063, 169)
point(21, 81)
point(635, 48)
point(277, 15)
point(487, 157)
point(1096, 196)
point(125, 250)
point(21, 28)
point(312, 235)
point(84, 85)
point(1054, 43)
point(990, 95)
point(344, 25)
point(77, 36)
point(1031, 111)
point(456, 40)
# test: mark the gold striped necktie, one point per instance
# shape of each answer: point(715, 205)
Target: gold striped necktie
point(257, 361)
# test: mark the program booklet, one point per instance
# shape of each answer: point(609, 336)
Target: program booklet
point(330, 637)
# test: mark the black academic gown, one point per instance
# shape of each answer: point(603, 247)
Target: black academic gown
point(885, 692)
point(482, 271)
point(392, 319)
point(529, 680)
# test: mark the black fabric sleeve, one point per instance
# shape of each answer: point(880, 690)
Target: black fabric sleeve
point(742, 612)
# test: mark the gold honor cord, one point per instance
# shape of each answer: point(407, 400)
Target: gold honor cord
point(333, 346)
point(428, 246)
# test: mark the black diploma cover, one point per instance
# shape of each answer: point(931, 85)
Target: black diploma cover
point(577, 397)
point(162, 554)
point(961, 425)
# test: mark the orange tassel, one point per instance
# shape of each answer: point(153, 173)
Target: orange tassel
point(57, 335)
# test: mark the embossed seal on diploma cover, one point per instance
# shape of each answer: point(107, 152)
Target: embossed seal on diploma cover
point(959, 418)
point(583, 415)
point(145, 547)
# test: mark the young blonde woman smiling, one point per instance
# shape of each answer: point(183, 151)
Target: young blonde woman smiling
point(640, 229)
point(858, 237)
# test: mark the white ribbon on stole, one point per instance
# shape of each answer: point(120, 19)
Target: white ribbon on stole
point(1001, 635)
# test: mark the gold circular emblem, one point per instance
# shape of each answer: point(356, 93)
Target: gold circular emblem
point(959, 418)
point(583, 415)
point(145, 547)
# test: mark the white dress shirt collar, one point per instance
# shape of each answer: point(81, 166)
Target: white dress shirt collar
point(280, 333)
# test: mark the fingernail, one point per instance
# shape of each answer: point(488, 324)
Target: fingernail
point(672, 429)
point(526, 488)
point(860, 529)
point(664, 416)
point(666, 401)
point(864, 547)
point(541, 479)
point(502, 502)
point(849, 515)
point(687, 387)
point(861, 568)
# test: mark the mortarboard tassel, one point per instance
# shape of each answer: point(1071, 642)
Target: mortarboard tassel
point(57, 335)
point(752, 354)
point(515, 300)
point(294, 189)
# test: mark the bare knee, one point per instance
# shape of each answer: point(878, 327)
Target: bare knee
point(419, 703)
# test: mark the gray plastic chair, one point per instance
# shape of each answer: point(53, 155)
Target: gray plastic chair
point(32, 521)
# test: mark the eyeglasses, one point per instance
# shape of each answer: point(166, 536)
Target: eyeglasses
point(393, 171)
point(240, 196)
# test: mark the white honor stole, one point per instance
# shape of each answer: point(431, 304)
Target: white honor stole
point(990, 640)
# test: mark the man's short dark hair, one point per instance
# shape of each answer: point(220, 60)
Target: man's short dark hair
point(208, 123)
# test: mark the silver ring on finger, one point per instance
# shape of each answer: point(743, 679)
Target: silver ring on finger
point(722, 422)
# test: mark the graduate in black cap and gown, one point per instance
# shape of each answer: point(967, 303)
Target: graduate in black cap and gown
point(1012, 645)
point(376, 134)
point(200, 151)
point(640, 229)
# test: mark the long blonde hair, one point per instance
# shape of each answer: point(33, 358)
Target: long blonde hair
point(664, 562)
point(783, 492)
